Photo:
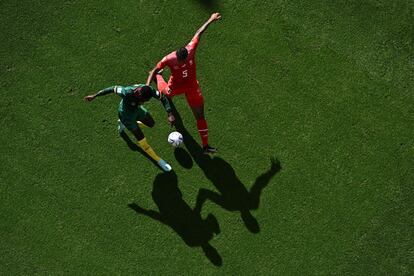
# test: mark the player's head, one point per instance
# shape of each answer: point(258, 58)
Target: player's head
point(143, 93)
point(182, 54)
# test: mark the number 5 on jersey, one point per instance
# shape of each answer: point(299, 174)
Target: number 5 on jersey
point(185, 74)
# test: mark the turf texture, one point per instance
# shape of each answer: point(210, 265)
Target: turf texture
point(324, 87)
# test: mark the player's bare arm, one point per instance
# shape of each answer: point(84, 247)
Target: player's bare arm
point(171, 119)
point(102, 92)
point(151, 75)
point(214, 17)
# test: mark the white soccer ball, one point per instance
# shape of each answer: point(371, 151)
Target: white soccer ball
point(175, 139)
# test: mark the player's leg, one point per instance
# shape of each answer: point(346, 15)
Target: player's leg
point(162, 85)
point(143, 144)
point(202, 127)
point(139, 135)
point(121, 127)
point(148, 121)
point(122, 133)
point(145, 117)
point(166, 88)
point(196, 102)
point(130, 123)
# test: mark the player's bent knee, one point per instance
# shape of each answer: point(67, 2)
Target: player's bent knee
point(149, 122)
point(198, 112)
point(138, 134)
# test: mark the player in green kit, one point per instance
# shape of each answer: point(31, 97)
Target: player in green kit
point(130, 110)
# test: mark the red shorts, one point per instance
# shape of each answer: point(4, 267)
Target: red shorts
point(192, 93)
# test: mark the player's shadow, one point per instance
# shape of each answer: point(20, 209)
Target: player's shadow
point(130, 144)
point(177, 214)
point(183, 158)
point(231, 193)
point(209, 5)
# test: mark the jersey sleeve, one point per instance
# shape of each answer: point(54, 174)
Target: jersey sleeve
point(161, 97)
point(162, 63)
point(106, 91)
point(194, 42)
point(120, 91)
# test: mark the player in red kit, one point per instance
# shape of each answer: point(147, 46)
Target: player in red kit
point(183, 80)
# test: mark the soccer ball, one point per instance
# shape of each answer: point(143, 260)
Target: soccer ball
point(175, 139)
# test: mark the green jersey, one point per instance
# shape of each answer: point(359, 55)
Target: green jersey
point(130, 108)
point(129, 104)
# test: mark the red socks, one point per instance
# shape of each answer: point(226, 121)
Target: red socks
point(203, 130)
point(201, 123)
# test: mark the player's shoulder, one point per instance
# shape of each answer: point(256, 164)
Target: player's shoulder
point(170, 59)
point(167, 60)
point(193, 43)
point(171, 56)
point(129, 88)
point(191, 49)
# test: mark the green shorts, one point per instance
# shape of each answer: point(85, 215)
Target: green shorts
point(129, 119)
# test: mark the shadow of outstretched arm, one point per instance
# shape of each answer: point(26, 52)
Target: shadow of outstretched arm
point(261, 182)
point(203, 195)
point(150, 213)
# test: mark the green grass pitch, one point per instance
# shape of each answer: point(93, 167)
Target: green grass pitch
point(326, 87)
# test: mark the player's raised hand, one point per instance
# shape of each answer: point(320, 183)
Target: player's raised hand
point(215, 16)
point(274, 164)
point(89, 98)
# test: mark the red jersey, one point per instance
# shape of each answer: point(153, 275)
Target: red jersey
point(184, 74)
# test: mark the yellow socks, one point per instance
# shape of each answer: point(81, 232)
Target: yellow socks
point(147, 148)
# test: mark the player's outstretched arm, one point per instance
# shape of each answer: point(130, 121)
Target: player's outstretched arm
point(151, 75)
point(150, 213)
point(214, 17)
point(158, 68)
point(167, 107)
point(166, 104)
point(103, 92)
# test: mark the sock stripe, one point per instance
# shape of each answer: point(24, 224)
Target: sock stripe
point(203, 131)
